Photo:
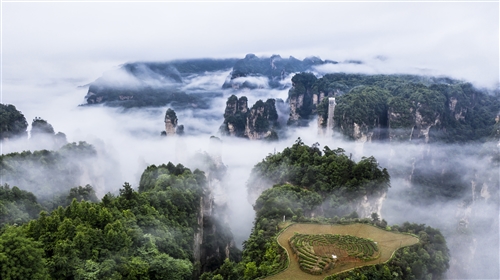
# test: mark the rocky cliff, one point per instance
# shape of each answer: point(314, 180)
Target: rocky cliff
point(171, 123)
point(259, 122)
point(303, 99)
point(262, 72)
point(43, 136)
point(140, 84)
point(214, 242)
point(454, 187)
point(396, 108)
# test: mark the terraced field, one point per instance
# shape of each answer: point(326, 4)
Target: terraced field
point(319, 242)
point(319, 253)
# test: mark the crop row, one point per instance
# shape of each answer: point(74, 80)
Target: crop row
point(355, 246)
point(302, 246)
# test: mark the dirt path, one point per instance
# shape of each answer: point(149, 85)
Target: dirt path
point(388, 242)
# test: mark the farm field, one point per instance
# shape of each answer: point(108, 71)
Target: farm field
point(387, 243)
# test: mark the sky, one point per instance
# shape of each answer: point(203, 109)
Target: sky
point(50, 49)
point(47, 42)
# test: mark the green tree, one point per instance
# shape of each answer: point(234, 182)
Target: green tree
point(21, 257)
point(12, 122)
point(250, 271)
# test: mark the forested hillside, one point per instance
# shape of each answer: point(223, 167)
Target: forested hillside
point(145, 234)
point(258, 122)
point(415, 150)
point(295, 198)
point(332, 174)
point(47, 173)
point(396, 107)
point(13, 124)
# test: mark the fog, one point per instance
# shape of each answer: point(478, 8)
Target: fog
point(128, 140)
point(50, 51)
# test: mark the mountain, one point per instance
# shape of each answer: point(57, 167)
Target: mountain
point(420, 159)
point(395, 107)
point(274, 70)
point(153, 84)
point(308, 188)
point(13, 124)
point(258, 122)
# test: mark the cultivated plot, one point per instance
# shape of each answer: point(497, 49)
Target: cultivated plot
point(386, 243)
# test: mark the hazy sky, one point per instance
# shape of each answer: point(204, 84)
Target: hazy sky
point(49, 49)
point(44, 43)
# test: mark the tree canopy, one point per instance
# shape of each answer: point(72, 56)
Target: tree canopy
point(12, 122)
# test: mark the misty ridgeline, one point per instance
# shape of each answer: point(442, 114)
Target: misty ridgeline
point(209, 157)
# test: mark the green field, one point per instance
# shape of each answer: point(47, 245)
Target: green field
point(387, 242)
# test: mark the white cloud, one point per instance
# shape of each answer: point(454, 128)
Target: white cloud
point(48, 49)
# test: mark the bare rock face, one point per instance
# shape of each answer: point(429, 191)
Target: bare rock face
point(362, 133)
point(235, 116)
point(267, 72)
point(368, 205)
point(44, 137)
point(213, 242)
point(321, 128)
point(411, 124)
point(170, 122)
point(400, 120)
point(261, 120)
point(295, 102)
point(423, 126)
point(256, 123)
point(303, 99)
point(468, 245)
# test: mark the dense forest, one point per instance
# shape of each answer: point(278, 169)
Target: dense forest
point(169, 225)
point(298, 200)
point(258, 122)
point(28, 170)
point(398, 107)
point(331, 174)
point(13, 123)
point(144, 234)
point(154, 84)
point(151, 233)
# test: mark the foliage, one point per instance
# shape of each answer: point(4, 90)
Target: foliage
point(344, 246)
point(458, 111)
point(156, 84)
point(136, 235)
point(41, 126)
point(79, 193)
point(304, 178)
point(302, 82)
point(285, 200)
point(364, 106)
point(327, 172)
point(241, 121)
point(20, 256)
point(303, 91)
point(145, 96)
point(235, 115)
point(17, 206)
point(12, 122)
point(171, 116)
point(429, 259)
point(46, 173)
point(275, 68)
point(263, 116)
